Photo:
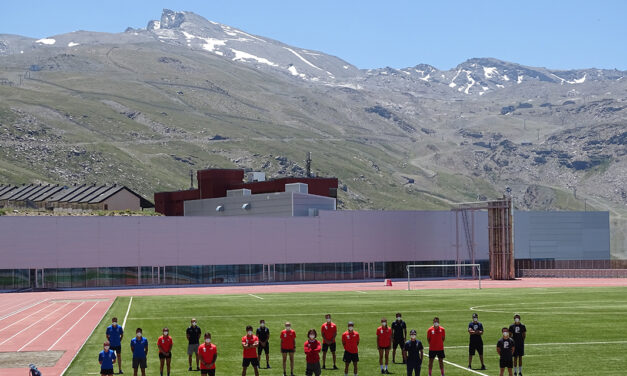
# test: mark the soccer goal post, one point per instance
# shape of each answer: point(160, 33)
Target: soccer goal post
point(436, 271)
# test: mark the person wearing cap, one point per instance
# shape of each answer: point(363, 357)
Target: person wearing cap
point(288, 346)
point(475, 328)
point(115, 334)
point(384, 342)
point(329, 332)
point(350, 341)
point(436, 336)
point(107, 359)
point(399, 333)
point(249, 344)
point(33, 371)
point(208, 353)
point(505, 347)
point(519, 332)
point(164, 344)
point(312, 353)
point(263, 333)
point(139, 348)
point(193, 339)
point(414, 351)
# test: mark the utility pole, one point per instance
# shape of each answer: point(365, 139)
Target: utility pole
point(191, 179)
point(308, 164)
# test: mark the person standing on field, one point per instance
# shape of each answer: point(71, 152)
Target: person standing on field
point(350, 341)
point(288, 346)
point(436, 336)
point(249, 344)
point(505, 347)
point(519, 331)
point(312, 353)
point(208, 353)
point(115, 334)
point(399, 333)
point(414, 352)
point(193, 338)
point(475, 328)
point(384, 342)
point(139, 348)
point(329, 332)
point(263, 333)
point(164, 343)
point(106, 358)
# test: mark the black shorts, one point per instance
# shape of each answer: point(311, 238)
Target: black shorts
point(519, 349)
point(350, 357)
point(313, 369)
point(265, 348)
point(475, 345)
point(384, 348)
point(117, 349)
point(210, 372)
point(326, 347)
point(106, 371)
point(286, 351)
point(439, 354)
point(250, 361)
point(398, 342)
point(506, 363)
point(167, 355)
point(139, 363)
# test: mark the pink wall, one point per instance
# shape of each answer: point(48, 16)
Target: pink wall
point(340, 236)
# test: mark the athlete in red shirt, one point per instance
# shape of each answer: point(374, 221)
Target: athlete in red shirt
point(208, 353)
point(435, 337)
point(384, 342)
point(164, 343)
point(288, 346)
point(312, 354)
point(329, 332)
point(249, 344)
point(350, 340)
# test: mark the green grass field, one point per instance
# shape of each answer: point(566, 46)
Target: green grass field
point(571, 331)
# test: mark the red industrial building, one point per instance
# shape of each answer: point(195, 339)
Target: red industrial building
point(213, 183)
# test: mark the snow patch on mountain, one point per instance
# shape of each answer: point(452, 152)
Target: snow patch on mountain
point(48, 41)
point(72, 44)
point(520, 78)
point(243, 56)
point(488, 72)
point(302, 58)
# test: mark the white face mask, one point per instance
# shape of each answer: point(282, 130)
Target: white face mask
point(384, 323)
point(398, 318)
point(350, 328)
point(436, 324)
point(288, 327)
point(115, 323)
point(207, 340)
point(139, 334)
point(194, 323)
point(106, 348)
point(475, 319)
point(262, 325)
point(329, 320)
point(311, 336)
point(413, 336)
point(250, 332)
point(165, 333)
point(505, 334)
point(517, 320)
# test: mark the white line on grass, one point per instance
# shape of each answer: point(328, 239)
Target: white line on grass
point(127, 311)
point(50, 327)
point(361, 292)
point(558, 344)
point(31, 325)
point(72, 327)
point(255, 296)
point(464, 368)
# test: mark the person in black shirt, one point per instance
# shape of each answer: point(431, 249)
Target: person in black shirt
point(193, 337)
point(475, 328)
point(263, 333)
point(519, 332)
point(505, 348)
point(399, 334)
point(413, 350)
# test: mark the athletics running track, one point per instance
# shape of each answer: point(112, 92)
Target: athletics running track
point(63, 320)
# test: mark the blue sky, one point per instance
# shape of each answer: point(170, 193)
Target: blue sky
point(371, 34)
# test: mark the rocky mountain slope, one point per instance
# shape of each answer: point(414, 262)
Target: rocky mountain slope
point(145, 106)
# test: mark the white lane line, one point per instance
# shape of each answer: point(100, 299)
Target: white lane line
point(255, 296)
point(31, 325)
point(361, 292)
point(22, 319)
point(127, 311)
point(22, 304)
point(50, 327)
point(72, 327)
point(464, 368)
point(21, 309)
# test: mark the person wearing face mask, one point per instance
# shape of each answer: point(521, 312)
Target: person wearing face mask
point(384, 342)
point(475, 328)
point(139, 348)
point(312, 354)
point(288, 345)
point(350, 341)
point(519, 331)
point(107, 359)
point(399, 333)
point(208, 353)
point(193, 339)
point(164, 343)
point(115, 333)
point(263, 333)
point(249, 344)
point(414, 351)
point(436, 336)
point(505, 347)
point(329, 332)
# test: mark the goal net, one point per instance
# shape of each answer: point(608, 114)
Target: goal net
point(470, 272)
